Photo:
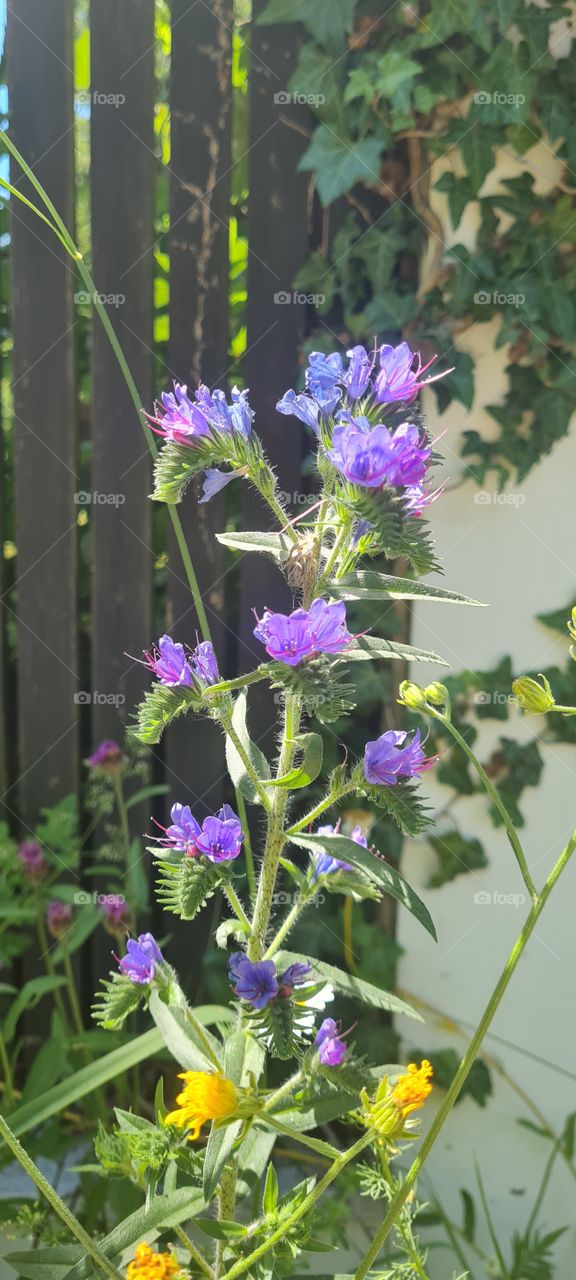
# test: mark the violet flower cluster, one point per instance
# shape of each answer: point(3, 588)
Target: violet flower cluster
point(182, 420)
point(173, 666)
point(142, 959)
point(395, 757)
point(330, 1044)
point(305, 633)
point(258, 983)
point(219, 838)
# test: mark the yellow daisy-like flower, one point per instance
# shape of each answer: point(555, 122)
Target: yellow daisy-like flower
point(205, 1096)
point(148, 1265)
point(413, 1088)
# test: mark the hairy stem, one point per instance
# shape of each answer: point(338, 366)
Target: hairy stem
point(275, 837)
point(236, 905)
point(465, 1067)
point(319, 809)
point(196, 1256)
point(287, 924)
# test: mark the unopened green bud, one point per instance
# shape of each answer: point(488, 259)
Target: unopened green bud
point(411, 695)
point(533, 697)
point(437, 694)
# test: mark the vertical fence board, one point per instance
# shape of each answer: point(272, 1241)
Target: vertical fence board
point(40, 84)
point(122, 197)
point(277, 238)
point(198, 242)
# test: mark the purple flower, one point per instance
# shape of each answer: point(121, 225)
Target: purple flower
point(291, 638)
point(322, 375)
point(397, 380)
point(115, 911)
point(107, 755)
point(359, 371)
point(395, 756)
point(324, 863)
point(143, 955)
point(203, 663)
point(58, 918)
point(330, 1045)
point(221, 837)
point(411, 455)
point(183, 832)
point(296, 975)
point(416, 498)
point(182, 420)
point(302, 407)
point(178, 418)
point(31, 858)
point(215, 481)
point(254, 981)
point(364, 458)
point(169, 663)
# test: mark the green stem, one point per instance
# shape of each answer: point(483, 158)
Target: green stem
point(239, 682)
point(543, 1187)
point(7, 1069)
point(335, 552)
point(246, 1264)
point(319, 809)
point(465, 1067)
point(72, 993)
point(497, 801)
point(248, 854)
point(284, 1090)
point(237, 907)
point(275, 837)
point(49, 966)
point(226, 1207)
point(201, 1263)
point(286, 926)
point(56, 1204)
point(226, 722)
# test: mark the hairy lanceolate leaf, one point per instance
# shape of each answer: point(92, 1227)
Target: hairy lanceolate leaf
point(117, 999)
point(373, 864)
point(184, 887)
point(236, 765)
point(276, 545)
point(161, 705)
point(371, 647)
point(349, 985)
point(369, 585)
point(189, 1042)
point(307, 771)
point(161, 1213)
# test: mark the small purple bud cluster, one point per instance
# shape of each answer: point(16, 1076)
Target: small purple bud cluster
point(143, 956)
point(31, 858)
point(107, 757)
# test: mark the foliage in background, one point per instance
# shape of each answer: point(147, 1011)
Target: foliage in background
point(424, 98)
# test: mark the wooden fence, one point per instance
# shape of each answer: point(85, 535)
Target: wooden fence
point(47, 723)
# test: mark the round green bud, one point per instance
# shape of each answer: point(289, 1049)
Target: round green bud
point(411, 695)
point(534, 698)
point(437, 694)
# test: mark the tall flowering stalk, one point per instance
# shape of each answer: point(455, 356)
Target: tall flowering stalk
point(374, 459)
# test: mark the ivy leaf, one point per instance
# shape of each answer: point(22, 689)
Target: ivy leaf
point(374, 866)
point(477, 145)
point(456, 856)
point(394, 69)
point(341, 163)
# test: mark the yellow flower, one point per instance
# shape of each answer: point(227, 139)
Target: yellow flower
point(412, 1089)
point(148, 1265)
point(389, 1113)
point(205, 1096)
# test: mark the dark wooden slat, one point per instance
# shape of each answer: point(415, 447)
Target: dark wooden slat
point(3, 671)
point(40, 84)
point(277, 238)
point(122, 197)
point(198, 243)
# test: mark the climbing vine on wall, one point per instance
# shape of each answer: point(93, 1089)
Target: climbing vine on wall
point(420, 98)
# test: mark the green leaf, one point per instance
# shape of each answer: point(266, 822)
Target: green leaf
point(242, 1055)
point(339, 164)
point(306, 772)
point(273, 544)
point(146, 793)
point(164, 1211)
point(50, 1065)
point(388, 879)
point(32, 992)
point(180, 1036)
point(85, 1081)
point(45, 1263)
point(355, 988)
point(394, 69)
point(367, 648)
point(368, 585)
point(236, 766)
point(270, 1193)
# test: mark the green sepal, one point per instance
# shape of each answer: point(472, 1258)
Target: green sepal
point(160, 707)
point(184, 887)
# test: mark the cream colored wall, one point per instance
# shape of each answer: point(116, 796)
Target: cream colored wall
point(519, 555)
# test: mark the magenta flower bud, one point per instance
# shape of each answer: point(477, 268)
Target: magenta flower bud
point(397, 380)
point(203, 663)
point(31, 858)
point(107, 757)
point(330, 1044)
point(58, 918)
point(116, 913)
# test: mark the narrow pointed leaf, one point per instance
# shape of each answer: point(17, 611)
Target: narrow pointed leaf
point(367, 648)
point(355, 988)
point(368, 585)
point(309, 768)
point(274, 544)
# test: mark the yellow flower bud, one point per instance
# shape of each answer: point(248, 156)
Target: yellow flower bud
point(437, 694)
point(411, 695)
point(534, 698)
